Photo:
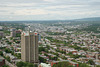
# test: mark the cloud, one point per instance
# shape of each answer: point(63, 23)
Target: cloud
point(17, 4)
point(30, 12)
point(50, 0)
point(49, 9)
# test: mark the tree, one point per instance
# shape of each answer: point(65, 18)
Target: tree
point(91, 62)
point(30, 65)
point(19, 56)
point(7, 50)
point(0, 38)
point(1, 53)
point(25, 64)
point(62, 64)
point(5, 66)
point(43, 49)
point(83, 65)
point(18, 35)
point(97, 65)
point(8, 58)
point(42, 60)
point(48, 47)
point(20, 64)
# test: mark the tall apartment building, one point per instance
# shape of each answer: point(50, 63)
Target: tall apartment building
point(29, 47)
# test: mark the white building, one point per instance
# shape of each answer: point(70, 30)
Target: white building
point(44, 65)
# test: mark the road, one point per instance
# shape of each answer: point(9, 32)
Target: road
point(8, 63)
point(11, 65)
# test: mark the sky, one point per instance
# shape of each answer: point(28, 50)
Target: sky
point(16, 10)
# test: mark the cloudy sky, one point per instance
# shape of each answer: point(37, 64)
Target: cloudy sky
point(48, 9)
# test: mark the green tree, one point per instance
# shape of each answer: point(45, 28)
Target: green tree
point(18, 35)
point(8, 58)
point(20, 64)
point(1, 53)
point(19, 56)
point(5, 66)
point(43, 49)
point(7, 50)
point(42, 60)
point(97, 65)
point(30, 65)
point(91, 62)
point(83, 65)
point(25, 64)
point(62, 64)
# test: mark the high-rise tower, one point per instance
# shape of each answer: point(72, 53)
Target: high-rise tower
point(29, 47)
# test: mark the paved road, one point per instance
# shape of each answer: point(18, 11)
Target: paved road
point(11, 65)
point(8, 63)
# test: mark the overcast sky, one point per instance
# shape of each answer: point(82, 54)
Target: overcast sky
point(48, 9)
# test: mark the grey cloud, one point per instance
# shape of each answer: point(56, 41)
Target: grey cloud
point(68, 7)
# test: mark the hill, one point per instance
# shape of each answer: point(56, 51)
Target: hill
point(89, 19)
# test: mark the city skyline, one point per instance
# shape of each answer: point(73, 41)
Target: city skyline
point(48, 9)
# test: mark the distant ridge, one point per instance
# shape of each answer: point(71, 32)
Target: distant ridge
point(50, 21)
point(89, 19)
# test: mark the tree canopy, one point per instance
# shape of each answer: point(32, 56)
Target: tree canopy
point(25, 64)
point(62, 64)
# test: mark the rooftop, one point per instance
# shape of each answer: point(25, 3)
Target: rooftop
point(27, 33)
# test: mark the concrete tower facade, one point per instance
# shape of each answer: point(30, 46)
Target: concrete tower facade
point(29, 47)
